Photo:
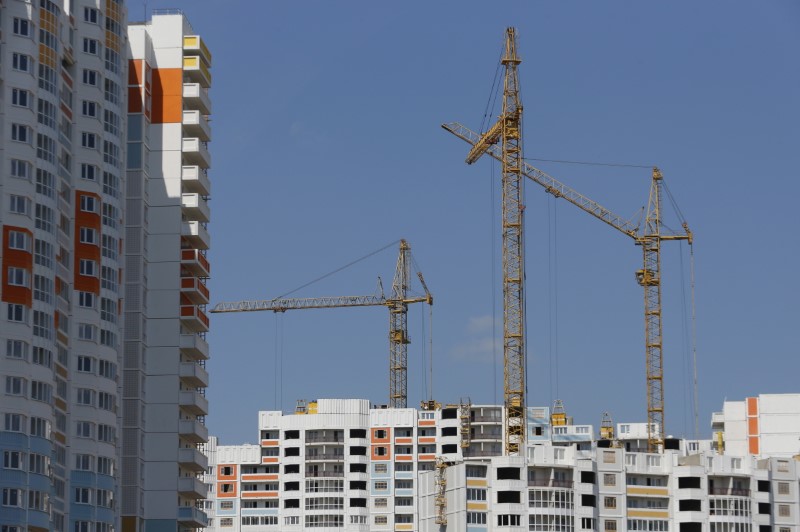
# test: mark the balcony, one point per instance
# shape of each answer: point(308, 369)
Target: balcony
point(549, 483)
point(197, 97)
point(192, 459)
point(195, 179)
point(196, 124)
point(195, 151)
point(195, 290)
point(196, 235)
point(193, 431)
point(191, 517)
point(194, 44)
point(195, 207)
point(194, 403)
point(196, 70)
point(195, 262)
point(325, 457)
point(194, 346)
point(193, 318)
point(193, 374)
point(324, 438)
point(192, 488)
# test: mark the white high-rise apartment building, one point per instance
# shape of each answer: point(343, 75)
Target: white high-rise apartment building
point(164, 350)
point(103, 214)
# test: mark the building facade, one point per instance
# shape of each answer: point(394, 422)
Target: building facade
point(103, 213)
point(62, 187)
point(341, 464)
point(164, 376)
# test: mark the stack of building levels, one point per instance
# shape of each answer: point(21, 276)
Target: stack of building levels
point(340, 463)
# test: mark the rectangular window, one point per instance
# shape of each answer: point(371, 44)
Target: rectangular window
point(88, 236)
point(111, 92)
point(19, 204)
point(17, 313)
point(83, 496)
point(13, 459)
point(89, 140)
point(610, 525)
point(90, 77)
point(22, 63)
point(43, 289)
point(87, 331)
point(610, 502)
point(42, 324)
point(18, 277)
point(21, 98)
point(106, 401)
point(21, 133)
point(11, 496)
point(85, 364)
point(89, 171)
point(86, 299)
point(88, 267)
point(83, 462)
point(91, 15)
point(45, 148)
point(91, 46)
point(105, 465)
point(39, 427)
point(17, 349)
point(21, 169)
point(46, 185)
point(89, 108)
point(22, 27)
point(46, 113)
point(16, 386)
point(106, 433)
point(84, 429)
point(42, 357)
point(19, 240)
point(85, 396)
point(107, 369)
point(111, 122)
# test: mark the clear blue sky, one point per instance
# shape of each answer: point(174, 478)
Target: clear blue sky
point(327, 146)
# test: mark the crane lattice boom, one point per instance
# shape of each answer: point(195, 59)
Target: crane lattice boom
point(398, 323)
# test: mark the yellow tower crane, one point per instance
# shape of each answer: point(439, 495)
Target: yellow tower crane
point(397, 304)
point(649, 237)
point(508, 132)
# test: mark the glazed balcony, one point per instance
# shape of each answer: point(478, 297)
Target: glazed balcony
point(193, 374)
point(193, 318)
point(195, 262)
point(192, 488)
point(193, 44)
point(195, 207)
point(194, 346)
point(195, 151)
point(191, 517)
point(196, 235)
point(195, 290)
point(196, 124)
point(195, 179)
point(196, 70)
point(196, 97)
point(194, 403)
point(192, 459)
point(192, 431)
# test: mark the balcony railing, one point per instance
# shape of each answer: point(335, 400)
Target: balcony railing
point(325, 456)
point(195, 95)
point(195, 289)
point(193, 374)
point(319, 438)
point(550, 483)
point(196, 70)
point(325, 474)
point(196, 262)
point(195, 151)
point(194, 402)
point(194, 346)
point(196, 235)
point(192, 487)
point(192, 459)
point(192, 517)
point(193, 318)
point(195, 207)
point(196, 124)
point(738, 492)
point(193, 431)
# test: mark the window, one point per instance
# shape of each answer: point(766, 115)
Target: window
point(609, 457)
point(380, 451)
point(86, 299)
point(784, 510)
point(83, 496)
point(83, 462)
point(90, 15)
point(107, 369)
point(18, 277)
point(476, 518)
point(88, 236)
point(17, 349)
point(380, 434)
point(19, 204)
point(89, 108)
point(46, 113)
point(783, 488)
point(111, 122)
point(610, 502)
point(17, 313)
point(476, 471)
point(39, 464)
point(609, 525)
point(106, 433)
point(19, 240)
point(587, 523)
point(43, 289)
point(21, 133)
point(13, 459)
point(84, 429)
point(14, 422)
point(106, 401)
point(85, 396)
point(89, 171)
point(476, 494)
point(381, 485)
point(42, 324)
point(21, 62)
point(22, 27)
point(91, 46)
point(508, 520)
point(90, 77)
point(21, 98)
point(46, 148)
point(16, 386)
point(111, 92)
point(105, 498)
point(41, 391)
point(11, 496)
point(381, 519)
point(88, 203)
point(88, 267)
point(783, 466)
point(89, 140)
point(105, 465)
point(21, 169)
point(381, 468)
point(45, 184)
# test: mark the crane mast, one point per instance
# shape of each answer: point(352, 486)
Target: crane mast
point(508, 131)
point(397, 304)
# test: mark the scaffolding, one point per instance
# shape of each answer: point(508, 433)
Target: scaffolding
point(465, 410)
point(441, 492)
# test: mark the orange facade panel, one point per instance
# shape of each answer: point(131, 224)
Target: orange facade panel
point(752, 426)
point(381, 435)
point(255, 478)
point(259, 494)
point(136, 72)
point(17, 258)
point(427, 422)
point(381, 453)
point(226, 489)
point(227, 472)
point(752, 406)
point(167, 95)
point(753, 444)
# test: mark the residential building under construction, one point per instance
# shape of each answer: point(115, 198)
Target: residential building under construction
point(345, 464)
